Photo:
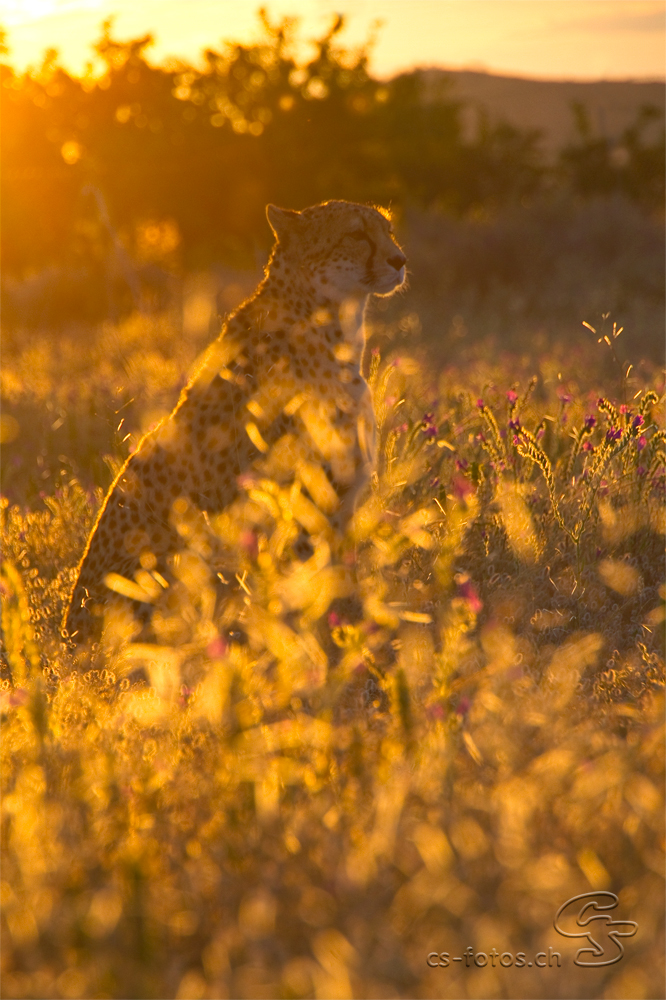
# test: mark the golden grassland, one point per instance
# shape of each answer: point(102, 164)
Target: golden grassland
point(425, 741)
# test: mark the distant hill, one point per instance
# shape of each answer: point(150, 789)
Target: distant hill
point(546, 104)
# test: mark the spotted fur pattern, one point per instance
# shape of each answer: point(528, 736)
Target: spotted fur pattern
point(280, 393)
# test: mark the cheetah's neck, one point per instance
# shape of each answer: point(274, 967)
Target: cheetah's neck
point(291, 301)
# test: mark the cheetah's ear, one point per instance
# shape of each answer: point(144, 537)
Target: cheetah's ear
point(283, 221)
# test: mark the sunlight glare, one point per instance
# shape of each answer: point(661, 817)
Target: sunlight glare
point(589, 39)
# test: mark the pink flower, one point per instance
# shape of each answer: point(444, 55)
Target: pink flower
point(185, 694)
point(641, 442)
point(461, 487)
point(216, 648)
point(463, 706)
point(480, 404)
point(512, 396)
point(248, 541)
point(467, 591)
point(13, 698)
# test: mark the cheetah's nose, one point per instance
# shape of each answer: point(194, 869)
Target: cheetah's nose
point(397, 261)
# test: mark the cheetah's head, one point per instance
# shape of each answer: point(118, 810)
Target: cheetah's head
point(343, 249)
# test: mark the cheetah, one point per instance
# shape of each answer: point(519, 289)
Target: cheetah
point(280, 393)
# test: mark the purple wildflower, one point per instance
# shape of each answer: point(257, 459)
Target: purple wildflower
point(624, 408)
point(641, 442)
point(514, 425)
point(480, 404)
point(564, 397)
point(590, 422)
point(613, 434)
point(512, 396)
point(638, 421)
point(428, 425)
point(467, 591)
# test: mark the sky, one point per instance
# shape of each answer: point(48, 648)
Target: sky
point(547, 39)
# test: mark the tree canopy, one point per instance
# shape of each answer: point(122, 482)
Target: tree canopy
point(187, 158)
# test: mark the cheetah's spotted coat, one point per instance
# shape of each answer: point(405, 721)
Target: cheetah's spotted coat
point(280, 393)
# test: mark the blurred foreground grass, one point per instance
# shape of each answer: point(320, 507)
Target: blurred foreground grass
point(430, 742)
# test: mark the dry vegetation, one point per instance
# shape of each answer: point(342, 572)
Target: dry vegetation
point(303, 780)
point(426, 741)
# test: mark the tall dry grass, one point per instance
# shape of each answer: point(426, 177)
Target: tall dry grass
point(427, 739)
